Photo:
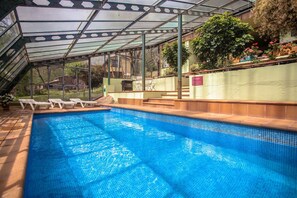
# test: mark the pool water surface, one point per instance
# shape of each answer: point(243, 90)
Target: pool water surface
point(125, 153)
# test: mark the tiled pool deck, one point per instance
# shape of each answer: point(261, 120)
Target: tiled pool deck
point(15, 133)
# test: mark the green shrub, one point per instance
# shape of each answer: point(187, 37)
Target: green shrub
point(170, 53)
point(219, 39)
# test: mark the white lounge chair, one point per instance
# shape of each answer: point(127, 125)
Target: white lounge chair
point(61, 103)
point(83, 103)
point(34, 104)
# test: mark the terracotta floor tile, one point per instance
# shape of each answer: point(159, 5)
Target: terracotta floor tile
point(281, 124)
point(14, 191)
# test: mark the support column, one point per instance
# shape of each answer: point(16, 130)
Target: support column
point(63, 80)
point(125, 73)
point(90, 77)
point(179, 57)
point(159, 61)
point(104, 65)
point(108, 74)
point(118, 75)
point(48, 80)
point(143, 62)
point(77, 80)
point(31, 82)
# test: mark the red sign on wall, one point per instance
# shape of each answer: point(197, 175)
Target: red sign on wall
point(197, 80)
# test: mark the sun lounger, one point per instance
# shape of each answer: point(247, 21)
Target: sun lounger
point(83, 103)
point(61, 103)
point(34, 104)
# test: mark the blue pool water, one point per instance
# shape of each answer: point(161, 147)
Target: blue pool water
point(124, 153)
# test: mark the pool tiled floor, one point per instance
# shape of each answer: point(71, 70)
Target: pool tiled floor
point(15, 130)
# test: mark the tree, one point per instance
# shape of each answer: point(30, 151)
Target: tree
point(97, 76)
point(219, 39)
point(170, 53)
point(151, 60)
point(274, 17)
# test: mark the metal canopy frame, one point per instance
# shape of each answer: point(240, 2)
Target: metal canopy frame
point(51, 32)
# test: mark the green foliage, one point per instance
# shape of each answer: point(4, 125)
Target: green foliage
point(22, 88)
point(195, 67)
point(151, 60)
point(274, 17)
point(170, 54)
point(97, 76)
point(219, 39)
point(170, 72)
point(6, 99)
point(71, 67)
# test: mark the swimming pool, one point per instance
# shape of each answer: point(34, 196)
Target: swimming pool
point(125, 153)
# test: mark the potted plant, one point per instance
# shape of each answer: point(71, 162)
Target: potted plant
point(273, 50)
point(252, 52)
point(5, 100)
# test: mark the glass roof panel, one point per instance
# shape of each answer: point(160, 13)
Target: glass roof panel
point(178, 5)
point(8, 37)
point(88, 48)
point(46, 49)
point(192, 1)
point(7, 22)
point(126, 37)
point(114, 45)
point(49, 14)
point(86, 44)
point(237, 4)
point(48, 53)
point(28, 27)
point(121, 42)
point(12, 62)
point(166, 36)
point(108, 25)
point(9, 70)
point(81, 53)
point(40, 58)
point(150, 36)
point(192, 25)
point(187, 18)
point(157, 17)
point(216, 3)
point(201, 20)
point(50, 33)
point(117, 15)
point(16, 69)
point(170, 25)
point(48, 43)
point(144, 25)
point(47, 21)
point(94, 39)
point(107, 49)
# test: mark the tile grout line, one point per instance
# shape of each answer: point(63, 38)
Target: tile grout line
point(9, 131)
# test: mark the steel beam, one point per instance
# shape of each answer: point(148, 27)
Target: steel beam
point(59, 37)
point(63, 81)
point(114, 6)
point(90, 78)
point(108, 71)
point(125, 65)
point(100, 5)
point(31, 83)
point(48, 80)
point(179, 57)
point(143, 62)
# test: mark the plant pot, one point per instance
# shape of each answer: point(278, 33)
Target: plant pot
point(5, 107)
